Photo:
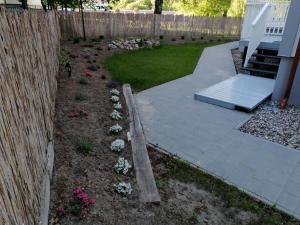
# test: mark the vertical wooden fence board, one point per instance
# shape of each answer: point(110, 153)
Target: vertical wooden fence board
point(29, 46)
point(125, 25)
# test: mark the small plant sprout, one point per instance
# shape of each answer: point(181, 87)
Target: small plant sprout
point(115, 129)
point(114, 92)
point(123, 188)
point(117, 145)
point(122, 166)
point(83, 81)
point(80, 96)
point(85, 145)
point(115, 115)
point(114, 99)
point(117, 106)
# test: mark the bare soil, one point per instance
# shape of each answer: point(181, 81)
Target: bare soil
point(182, 203)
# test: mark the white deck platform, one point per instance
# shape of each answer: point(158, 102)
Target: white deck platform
point(242, 90)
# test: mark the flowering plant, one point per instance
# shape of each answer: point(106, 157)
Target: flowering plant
point(79, 204)
point(117, 145)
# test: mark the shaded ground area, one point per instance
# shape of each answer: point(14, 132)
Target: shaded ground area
point(276, 125)
point(150, 67)
point(188, 195)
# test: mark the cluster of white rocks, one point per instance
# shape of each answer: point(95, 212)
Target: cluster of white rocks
point(277, 125)
point(133, 44)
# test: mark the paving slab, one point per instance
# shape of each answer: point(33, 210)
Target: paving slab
point(206, 135)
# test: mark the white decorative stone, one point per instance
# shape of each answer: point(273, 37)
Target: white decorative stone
point(115, 128)
point(122, 166)
point(117, 145)
point(115, 115)
point(123, 188)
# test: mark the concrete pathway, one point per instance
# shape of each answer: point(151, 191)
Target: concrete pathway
point(207, 135)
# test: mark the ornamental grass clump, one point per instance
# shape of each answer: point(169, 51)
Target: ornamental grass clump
point(122, 166)
point(117, 106)
point(123, 188)
point(115, 92)
point(85, 145)
point(83, 81)
point(78, 205)
point(115, 115)
point(80, 96)
point(114, 99)
point(117, 145)
point(115, 129)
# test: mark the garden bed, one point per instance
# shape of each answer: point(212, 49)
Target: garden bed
point(188, 196)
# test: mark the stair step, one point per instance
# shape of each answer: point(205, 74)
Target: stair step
point(266, 56)
point(265, 72)
point(263, 63)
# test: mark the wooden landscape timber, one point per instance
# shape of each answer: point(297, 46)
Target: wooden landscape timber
point(29, 46)
point(147, 187)
point(125, 25)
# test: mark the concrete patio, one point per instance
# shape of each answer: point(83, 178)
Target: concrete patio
point(207, 135)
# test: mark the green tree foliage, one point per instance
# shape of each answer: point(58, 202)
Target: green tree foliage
point(188, 7)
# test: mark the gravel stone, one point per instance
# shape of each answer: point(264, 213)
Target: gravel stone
point(274, 124)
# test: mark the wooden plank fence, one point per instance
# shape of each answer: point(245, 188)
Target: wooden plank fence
point(29, 46)
point(124, 25)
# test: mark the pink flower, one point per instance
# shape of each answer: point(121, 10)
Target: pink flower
point(60, 211)
point(92, 201)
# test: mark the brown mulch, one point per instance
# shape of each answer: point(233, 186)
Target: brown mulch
point(181, 203)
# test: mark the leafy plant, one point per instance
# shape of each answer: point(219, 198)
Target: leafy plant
point(83, 81)
point(80, 97)
point(123, 188)
point(85, 145)
point(122, 166)
point(115, 129)
point(79, 204)
point(115, 115)
point(117, 145)
point(76, 40)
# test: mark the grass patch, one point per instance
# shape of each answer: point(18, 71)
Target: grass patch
point(150, 67)
point(267, 215)
point(80, 97)
point(85, 145)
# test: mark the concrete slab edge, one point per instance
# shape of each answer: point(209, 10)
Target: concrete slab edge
point(252, 194)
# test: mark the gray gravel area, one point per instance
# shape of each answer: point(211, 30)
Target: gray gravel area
point(276, 125)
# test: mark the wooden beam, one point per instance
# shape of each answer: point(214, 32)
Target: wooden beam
point(148, 192)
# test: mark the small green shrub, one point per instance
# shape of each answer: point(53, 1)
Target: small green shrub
point(80, 97)
point(76, 40)
point(101, 37)
point(161, 37)
point(85, 145)
point(83, 81)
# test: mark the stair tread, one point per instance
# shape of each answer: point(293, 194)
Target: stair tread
point(259, 70)
point(264, 63)
point(267, 56)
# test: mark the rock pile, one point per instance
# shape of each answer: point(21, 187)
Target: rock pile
point(276, 125)
point(133, 44)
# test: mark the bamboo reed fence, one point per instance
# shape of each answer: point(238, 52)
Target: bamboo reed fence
point(29, 46)
point(124, 25)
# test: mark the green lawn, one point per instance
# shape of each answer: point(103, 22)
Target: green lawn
point(150, 67)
